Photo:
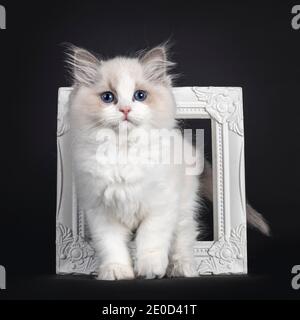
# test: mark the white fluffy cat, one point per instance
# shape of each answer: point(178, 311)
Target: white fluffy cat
point(155, 202)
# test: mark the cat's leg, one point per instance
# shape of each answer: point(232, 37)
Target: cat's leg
point(182, 261)
point(110, 240)
point(153, 241)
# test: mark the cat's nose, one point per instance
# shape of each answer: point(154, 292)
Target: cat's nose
point(125, 110)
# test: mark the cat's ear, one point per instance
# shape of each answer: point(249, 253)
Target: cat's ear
point(83, 64)
point(156, 64)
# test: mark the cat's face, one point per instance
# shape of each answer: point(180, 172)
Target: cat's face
point(135, 92)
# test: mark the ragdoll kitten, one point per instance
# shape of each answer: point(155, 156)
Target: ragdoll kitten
point(155, 202)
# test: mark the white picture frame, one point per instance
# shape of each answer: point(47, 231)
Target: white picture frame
point(227, 253)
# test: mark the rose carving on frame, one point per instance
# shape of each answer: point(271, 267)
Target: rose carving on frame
point(74, 250)
point(223, 106)
point(225, 253)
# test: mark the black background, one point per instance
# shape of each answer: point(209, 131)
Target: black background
point(250, 45)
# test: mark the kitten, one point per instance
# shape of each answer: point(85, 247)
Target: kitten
point(155, 202)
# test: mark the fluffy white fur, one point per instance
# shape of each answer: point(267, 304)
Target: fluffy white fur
point(156, 203)
point(152, 204)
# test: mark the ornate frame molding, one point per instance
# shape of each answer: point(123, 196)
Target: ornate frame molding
point(227, 254)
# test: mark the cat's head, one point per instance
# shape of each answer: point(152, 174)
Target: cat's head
point(132, 91)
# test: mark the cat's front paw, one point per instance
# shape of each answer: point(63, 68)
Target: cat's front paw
point(183, 269)
point(115, 271)
point(150, 266)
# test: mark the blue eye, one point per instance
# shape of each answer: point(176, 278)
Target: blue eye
point(107, 97)
point(140, 95)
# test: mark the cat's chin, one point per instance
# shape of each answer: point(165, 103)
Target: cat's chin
point(127, 124)
point(130, 124)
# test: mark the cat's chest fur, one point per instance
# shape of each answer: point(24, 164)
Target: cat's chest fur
point(122, 161)
point(123, 176)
